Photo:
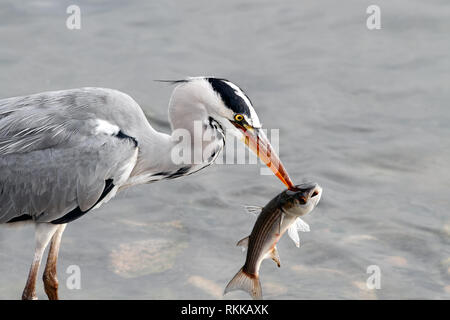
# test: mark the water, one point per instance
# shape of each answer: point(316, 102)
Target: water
point(363, 113)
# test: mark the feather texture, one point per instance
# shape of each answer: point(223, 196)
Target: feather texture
point(57, 149)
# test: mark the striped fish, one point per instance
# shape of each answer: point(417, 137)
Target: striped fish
point(279, 215)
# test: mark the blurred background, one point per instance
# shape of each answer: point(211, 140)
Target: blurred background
point(365, 113)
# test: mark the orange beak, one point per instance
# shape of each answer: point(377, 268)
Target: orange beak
point(257, 141)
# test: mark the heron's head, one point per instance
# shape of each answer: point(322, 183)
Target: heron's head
point(226, 103)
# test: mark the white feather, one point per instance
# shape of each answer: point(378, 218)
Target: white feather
point(106, 127)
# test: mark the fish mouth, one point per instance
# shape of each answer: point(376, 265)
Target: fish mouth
point(316, 192)
point(316, 195)
point(256, 140)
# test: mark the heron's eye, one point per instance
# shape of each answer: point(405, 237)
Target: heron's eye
point(239, 117)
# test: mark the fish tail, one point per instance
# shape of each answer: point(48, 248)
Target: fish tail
point(246, 282)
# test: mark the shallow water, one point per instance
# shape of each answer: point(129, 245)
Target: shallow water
point(363, 113)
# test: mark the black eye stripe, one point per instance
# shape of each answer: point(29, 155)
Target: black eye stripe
point(229, 96)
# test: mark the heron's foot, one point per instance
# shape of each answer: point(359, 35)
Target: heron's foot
point(51, 286)
point(29, 295)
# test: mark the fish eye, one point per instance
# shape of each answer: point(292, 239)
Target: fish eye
point(302, 200)
point(238, 117)
point(315, 193)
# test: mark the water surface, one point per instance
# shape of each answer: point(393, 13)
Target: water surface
point(363, 113)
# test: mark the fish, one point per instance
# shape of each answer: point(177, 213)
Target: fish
point(281, 214)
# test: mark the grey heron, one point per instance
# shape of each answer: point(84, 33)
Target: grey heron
point(64, 153)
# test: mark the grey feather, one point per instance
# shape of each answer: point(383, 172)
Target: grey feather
point(52, 159)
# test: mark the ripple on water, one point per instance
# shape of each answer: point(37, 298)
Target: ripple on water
point(206, 285)
point(145, 257)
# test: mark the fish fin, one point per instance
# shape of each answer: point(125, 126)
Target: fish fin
point(243, 243)
point(293, 234)
point(246, 282)
point(275, 256)
point(298, 225)
point(253, 209)
point(302, 225)
point(281, 222)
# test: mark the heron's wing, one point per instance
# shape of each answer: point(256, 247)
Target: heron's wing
point(57, 159)
point(44, 120)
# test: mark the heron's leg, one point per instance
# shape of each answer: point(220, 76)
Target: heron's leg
point(43, 234)
point(49, 277)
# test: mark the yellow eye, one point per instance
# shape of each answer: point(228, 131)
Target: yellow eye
point(239, 117)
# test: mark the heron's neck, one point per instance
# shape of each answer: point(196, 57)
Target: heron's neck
point(195, 142)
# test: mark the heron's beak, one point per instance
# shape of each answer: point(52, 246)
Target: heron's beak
point(256, 140)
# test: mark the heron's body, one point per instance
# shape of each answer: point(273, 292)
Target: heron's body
point(71, 150)
point(64, 153)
